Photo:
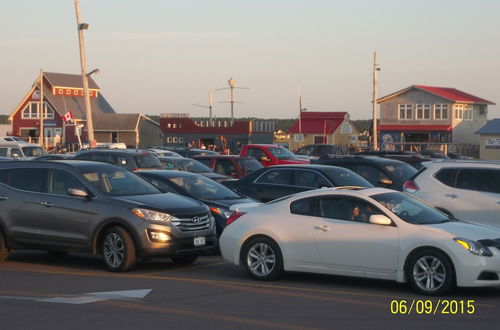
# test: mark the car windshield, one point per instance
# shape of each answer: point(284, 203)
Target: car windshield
point(33, 151)
point(343, 177)
point(282, 153)
point(118, 182)
point(402, 171)
point(249, 164)
point(147, 160)
point(191, 165)
point(204, 188)
point(410, 209)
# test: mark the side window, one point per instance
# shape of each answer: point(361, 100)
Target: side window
point(303, 206)
point(61, 181)
point(281, 177)
point(224, 166)
point(255, 153)
point(447, 176)
point(86, 156)
point(372, 174)
point(102, 157)
point(15, 151)
point(163, 186)
point(310, 179)
point(346, 209)
point(485, 180)
point(120, 160)
point(30, 179)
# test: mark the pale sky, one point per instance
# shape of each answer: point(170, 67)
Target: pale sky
point(159, 56)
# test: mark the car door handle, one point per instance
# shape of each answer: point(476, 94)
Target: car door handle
point(3, 198)
point(451, 195)
point(47, 204)
point(322, 228)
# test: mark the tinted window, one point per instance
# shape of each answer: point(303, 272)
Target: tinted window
point(85, 156)
point(30, 179)
point(249, 164)
point(282, 153)
point(447, 176)
point(371, 173)
point(255, 153)
point(310, 179)
point(400, 171)
point(487, 180)
point(345, 177)
point(346, 209)
point(62, 180)
point(303, 206)
point(224, 166)
point(191, 165)
point(204, 188)
point(147, 160)
point(163, 186)
point(283, 177)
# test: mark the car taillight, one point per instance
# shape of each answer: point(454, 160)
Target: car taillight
point(410, 186)
point(235, 215)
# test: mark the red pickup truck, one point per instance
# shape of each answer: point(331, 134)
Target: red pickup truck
point(270, 154)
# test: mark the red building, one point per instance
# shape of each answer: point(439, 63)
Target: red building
point(62, 93)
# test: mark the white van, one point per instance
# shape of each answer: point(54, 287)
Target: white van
point(21, 150)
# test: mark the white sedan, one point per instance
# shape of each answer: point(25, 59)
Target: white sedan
point(364, 232)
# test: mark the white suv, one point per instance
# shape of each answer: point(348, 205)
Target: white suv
point(469, 190)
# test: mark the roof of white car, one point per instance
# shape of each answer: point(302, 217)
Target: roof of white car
point(350, 190)
point(462, 163)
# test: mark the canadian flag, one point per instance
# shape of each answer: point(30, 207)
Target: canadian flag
point(67, 116)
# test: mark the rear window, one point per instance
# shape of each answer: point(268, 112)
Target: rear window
point(402, 171)
point(147, 160)
point(344, 177)
point(249, 164)
point(33, 151)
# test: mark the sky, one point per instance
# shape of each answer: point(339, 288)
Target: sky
point(163, 56)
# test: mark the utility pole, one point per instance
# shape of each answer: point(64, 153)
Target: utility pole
point(210, 101)
point(376, 69)
point(300, 118)
point(88, 111)
point(41, 112)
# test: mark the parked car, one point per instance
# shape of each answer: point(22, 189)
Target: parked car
point(233, 166)
point(271, 154)
point(381, 172)
point(273, 182)
point(470, 190)
point(21, 150)
point(55, 157)
point(398, 238)
point(315, 151)
point(132, 159)
point(80, 206)
point(412, 158)
point(218, 197)
point(161, 153)
point(9, 139)
point(190, 165)
point(190, 152)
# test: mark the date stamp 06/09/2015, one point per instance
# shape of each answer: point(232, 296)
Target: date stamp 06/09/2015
point(433, 307)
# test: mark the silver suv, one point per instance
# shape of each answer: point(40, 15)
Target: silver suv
point(469, 190)
point(70, 206)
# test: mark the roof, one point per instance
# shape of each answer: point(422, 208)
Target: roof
point(116, 121)
point(433, 128)
point(493, 127)
point(451, 94)
point(318, 122)
point(68, 80)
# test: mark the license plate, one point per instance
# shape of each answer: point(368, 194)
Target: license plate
point(200, 240)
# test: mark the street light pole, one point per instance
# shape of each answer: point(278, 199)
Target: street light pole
point(41, 112)
point(376, 69)
point(88, 111)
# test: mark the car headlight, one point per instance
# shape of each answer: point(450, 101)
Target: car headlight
point(150, 215)
point(474, 247)
point(225, 213)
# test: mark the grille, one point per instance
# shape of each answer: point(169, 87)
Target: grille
point(194, 223)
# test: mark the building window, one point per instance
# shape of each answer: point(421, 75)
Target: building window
point(174, 139)
point(31, 111)
point(405, 111)
point(174, 125)
point(468, 112)
point(459, 111)
point(440, 111)
point(169, 139)
point(169, 126)
point(423, 111)
point(181, 139)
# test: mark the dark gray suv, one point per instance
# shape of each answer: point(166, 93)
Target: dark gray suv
point(66, 206)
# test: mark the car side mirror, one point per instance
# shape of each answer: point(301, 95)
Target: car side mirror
point(264, 159)
point(380, 219)
point(387, 182)
point(78, 192)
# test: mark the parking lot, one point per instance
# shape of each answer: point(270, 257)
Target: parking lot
point(39, 290)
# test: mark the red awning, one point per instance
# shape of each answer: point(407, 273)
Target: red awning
point(420, 128)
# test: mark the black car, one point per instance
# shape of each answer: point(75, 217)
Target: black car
point(55, 157)
point(190, 152)
point(315, 151)
point(132, 159)
point(218, 197)
point(381, 172)
point(190, 165)
point(273, 182)
point(409, 157)
point(81, 206)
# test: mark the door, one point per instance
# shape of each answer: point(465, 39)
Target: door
point(66, 221)
point(273, 184)
point(20, 203)
point(347, 242)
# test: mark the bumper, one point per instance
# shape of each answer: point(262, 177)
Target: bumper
point(476, 271)
point(179, 246)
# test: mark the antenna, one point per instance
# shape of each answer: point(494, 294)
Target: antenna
point(232, 86)
point(210, 99)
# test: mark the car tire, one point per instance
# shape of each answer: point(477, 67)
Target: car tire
point(430, 272)
point(262, 259)
point(4, 252)
point(118, 250)
point(184, 259)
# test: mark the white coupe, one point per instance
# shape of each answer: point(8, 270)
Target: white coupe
point(364, 232)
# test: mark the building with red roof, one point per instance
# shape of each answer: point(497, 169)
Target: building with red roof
point(431, 114)
point(322, 127)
